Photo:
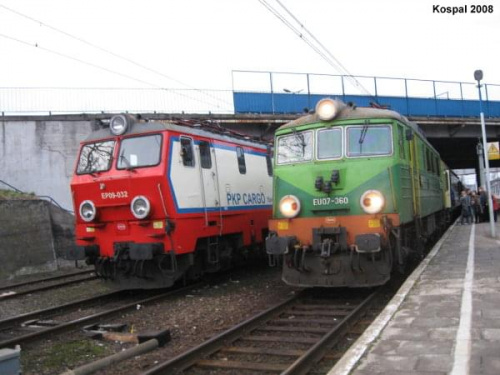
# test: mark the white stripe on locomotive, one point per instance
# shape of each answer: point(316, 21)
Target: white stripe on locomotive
point(221, 186)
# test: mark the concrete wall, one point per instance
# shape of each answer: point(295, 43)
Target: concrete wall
point(34, 236)
point(39, 156)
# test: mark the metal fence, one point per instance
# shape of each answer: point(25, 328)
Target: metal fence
point(261, 92)
point(44, 197)
point(280, 92)
point(40, 100)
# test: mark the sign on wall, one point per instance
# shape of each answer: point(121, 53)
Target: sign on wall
point(493, 151)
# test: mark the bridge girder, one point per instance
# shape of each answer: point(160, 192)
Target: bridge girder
point(454, 138)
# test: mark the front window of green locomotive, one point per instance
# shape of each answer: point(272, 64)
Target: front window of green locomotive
point(369, 140)
point(329, 143)
point(295, 148)
point(143, 151)
point(95, 157)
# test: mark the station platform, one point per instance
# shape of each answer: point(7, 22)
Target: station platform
point(445, 319)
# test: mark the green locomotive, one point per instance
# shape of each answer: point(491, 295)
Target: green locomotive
point(356, 192)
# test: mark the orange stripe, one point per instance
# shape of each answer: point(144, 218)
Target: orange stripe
point(359, 224)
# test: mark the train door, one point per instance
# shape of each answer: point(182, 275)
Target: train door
point(405, 204)
point(446, 187)
point(209, 175)
point(415, 172)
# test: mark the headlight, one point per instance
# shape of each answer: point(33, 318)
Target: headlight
point(289, 206)
point(140, 207)
point(119, 124)
point(87, 211)
point(372, 201)
point(327, 109)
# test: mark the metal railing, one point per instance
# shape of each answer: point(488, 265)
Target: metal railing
point(44, 197)
point(60, 100)
point(264, 92)
point(282, 92)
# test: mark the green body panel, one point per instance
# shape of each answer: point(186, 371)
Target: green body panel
point(430, 184)
point(403, 188)
point(356, 178)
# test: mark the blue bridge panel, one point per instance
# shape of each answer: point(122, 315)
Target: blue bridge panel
point(286, 103)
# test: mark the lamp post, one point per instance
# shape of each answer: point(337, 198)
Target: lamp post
point(478, 76)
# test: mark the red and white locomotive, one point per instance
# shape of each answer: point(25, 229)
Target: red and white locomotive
point(155, 202)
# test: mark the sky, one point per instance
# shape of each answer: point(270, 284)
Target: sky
point(198, 43)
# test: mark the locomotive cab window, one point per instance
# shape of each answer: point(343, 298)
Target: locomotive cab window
point(269, 160)
point(205, 156)
point(329, 143)
point(294, 148)
point(139, 152)
point(187, 152)
point(241, 160)
point(95, 157)
point(369, 140)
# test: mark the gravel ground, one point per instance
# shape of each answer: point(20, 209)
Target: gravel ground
point(67, 268)
point(191, 319)
point(51, 298)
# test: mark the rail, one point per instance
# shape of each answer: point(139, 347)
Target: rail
point(13, 294)
point(79, 322)
point(296, 317)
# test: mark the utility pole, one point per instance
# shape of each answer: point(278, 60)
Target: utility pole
point(478, 76)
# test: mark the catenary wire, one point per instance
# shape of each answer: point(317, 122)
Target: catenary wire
point(320, 49)
point(114, 54)
point(330, 60)
point(345, 70)
point(60, 54)
point(296, 31)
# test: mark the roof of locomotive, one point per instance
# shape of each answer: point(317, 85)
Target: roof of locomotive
point(351, 113)
point(200, 130)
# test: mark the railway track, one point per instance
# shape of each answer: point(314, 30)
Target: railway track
point(35, 326)
point(289, 338)
point(21, 289)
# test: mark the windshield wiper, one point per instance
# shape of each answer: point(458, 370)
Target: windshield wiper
point(363, 134)
point(128, 166)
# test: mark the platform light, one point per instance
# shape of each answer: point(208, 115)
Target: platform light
point(140, 207)
point(119, 124)
point(289, 206)
point(372, 201)
point(87, 211)
point(327, 109)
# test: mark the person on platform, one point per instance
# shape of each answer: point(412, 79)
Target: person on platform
point(483, 201)
point(466, 208)
point(475, 207)
point(496, 206)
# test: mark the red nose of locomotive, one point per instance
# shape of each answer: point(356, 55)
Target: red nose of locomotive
point(118, 196)
point(113, 211)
